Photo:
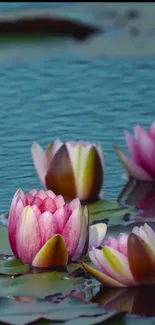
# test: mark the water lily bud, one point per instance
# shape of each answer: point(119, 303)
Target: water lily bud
point(73, 169)
point(45, 231)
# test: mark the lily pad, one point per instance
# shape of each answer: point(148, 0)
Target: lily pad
point(12, 312)
point(103, 205)
point(40, 285)
point(111, 210)
point(98, 320)
point(13, 267)
point(4, 243)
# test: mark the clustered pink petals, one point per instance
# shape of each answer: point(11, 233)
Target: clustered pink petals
point(52, 215)
point(38, 216)
point(119, 243)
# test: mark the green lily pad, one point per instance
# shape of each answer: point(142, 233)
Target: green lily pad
point(13, 267)
point(111, 210)
point(12, 312)
point(110, 316)
point(103, 205)
point(40, 285)
point(4, 243)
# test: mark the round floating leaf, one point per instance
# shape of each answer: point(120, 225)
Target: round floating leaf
point(41, 285)
point(111, 210)
point(107, 318)
point(4, 243)
point(13, 267)
point(15, 313)
point(103, 205)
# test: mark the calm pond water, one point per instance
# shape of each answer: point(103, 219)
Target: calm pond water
point(67, 97)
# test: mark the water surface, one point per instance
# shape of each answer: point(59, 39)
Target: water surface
point(68, 96)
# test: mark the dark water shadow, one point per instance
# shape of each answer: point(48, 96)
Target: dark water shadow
point(29, 27)
point(137, 301)
point(139, 194)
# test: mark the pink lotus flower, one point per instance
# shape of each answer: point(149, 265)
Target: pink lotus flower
point(73, 169)
point(45, 231)
point(126, 261)
point(142, 149)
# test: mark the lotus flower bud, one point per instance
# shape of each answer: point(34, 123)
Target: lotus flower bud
point(72, 169)
point(45, 231)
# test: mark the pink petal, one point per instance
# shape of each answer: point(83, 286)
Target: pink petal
point(111, 242)
point(75, 203)
point(38, 201)
point(47, 225)
point(72, 231)
point(122, 243)
point(59, 201)
point(18, 195)
point(48, 205)
point(36, 210)
point(40, 160)
point(146, 150)
point(133, 169)
point(133, 147)
point(33, 192)
point(28, 236)
point(60, 218)
point(15, 213)
point(30, 199)
point(138, 132)
point(51, 194)
point(152, 130)
point(42, 195)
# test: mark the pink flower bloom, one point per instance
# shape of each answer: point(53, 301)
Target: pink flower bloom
point(45, 231)
point(73, 169)
point(142, 149)
point(128, 260)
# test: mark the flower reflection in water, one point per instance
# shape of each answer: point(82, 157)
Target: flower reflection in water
point(137, 301)
point(141, 195)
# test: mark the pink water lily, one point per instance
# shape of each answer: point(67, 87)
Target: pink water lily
point(45, 231)
point(141, 165)
point(73, 169)
point(128, 260)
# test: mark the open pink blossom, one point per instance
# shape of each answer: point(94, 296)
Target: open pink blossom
point(45, 231)
point(128, 260)
point(73, 169)
point(141, 165)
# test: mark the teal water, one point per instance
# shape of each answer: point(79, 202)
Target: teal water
point(69, 97)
